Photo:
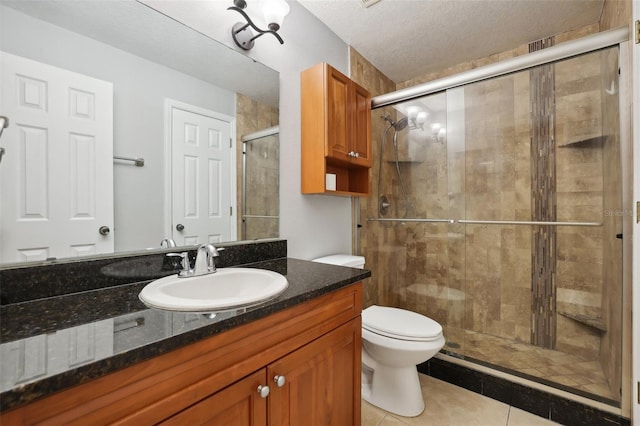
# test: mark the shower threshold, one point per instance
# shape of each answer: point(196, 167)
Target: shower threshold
point(570, 373)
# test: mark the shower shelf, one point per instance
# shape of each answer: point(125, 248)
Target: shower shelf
point(585, 143)
point(594, 322)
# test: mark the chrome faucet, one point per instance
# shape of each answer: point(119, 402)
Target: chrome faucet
point(204, 263)
point(167, 242)
point(205, 260)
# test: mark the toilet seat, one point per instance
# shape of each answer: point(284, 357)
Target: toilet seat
point(400, 324)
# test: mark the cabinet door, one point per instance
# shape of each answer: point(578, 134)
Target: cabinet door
point(361, 126)
point(236, 405)
point(338, 115)
point(321, 381)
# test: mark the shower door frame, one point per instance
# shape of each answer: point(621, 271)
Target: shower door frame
point(631, 266)
point(246, 139)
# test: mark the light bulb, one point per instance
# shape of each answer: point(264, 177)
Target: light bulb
point(274, 13)
point(422, 117)
point(412, 112)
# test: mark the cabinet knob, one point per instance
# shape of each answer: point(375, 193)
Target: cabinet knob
point(280, 380)
point(356, 154)
point(263, 391)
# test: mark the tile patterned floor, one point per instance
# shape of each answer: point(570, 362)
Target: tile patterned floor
point(450, 405)
point(569, 370)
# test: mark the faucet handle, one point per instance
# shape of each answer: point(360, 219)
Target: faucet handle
point(186, 267)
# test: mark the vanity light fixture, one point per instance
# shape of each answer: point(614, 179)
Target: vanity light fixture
point(274, 13)
point(417, 117)
point(439, 132)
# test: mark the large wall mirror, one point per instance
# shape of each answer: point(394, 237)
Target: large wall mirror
point(91, 86)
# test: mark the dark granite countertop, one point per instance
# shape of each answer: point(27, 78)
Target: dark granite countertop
point(109, 329)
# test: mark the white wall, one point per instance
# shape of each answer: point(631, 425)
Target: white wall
point(314, 225)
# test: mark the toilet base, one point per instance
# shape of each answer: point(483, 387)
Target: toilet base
point(396, 390)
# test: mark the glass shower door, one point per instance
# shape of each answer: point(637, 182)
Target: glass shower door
point(261, 186)
point(535, 183)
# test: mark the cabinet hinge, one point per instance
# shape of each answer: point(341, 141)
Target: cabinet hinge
point(638, 31)
point(230, 211)
point(230, 143)
point(637, 211)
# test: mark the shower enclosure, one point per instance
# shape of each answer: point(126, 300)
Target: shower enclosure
point(260, 184)
point(497, 212)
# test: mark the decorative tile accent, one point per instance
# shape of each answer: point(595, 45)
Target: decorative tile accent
point(543, 196)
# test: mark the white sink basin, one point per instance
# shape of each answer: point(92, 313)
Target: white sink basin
point(228, 288)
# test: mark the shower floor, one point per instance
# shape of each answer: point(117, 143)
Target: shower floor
point(568, 372)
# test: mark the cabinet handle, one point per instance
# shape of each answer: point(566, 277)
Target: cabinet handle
point(280, 380)
point(263, 391)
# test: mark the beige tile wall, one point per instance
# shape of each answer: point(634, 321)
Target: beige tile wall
point(429, 268)
point(252, 116)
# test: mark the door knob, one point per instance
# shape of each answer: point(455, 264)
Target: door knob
point(180, 227)
point(263, 391)
point(104, 230)
point(280, 380)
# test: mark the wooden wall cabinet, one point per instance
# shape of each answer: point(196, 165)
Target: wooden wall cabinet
point(336, 132)
point(315, 347)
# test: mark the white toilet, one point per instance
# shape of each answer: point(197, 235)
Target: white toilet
point(394, 341)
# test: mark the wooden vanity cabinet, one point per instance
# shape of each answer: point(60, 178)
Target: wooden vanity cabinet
point(336, 132)
point(315, 346)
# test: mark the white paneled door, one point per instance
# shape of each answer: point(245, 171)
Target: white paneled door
point(203, 179)
point(56, 177)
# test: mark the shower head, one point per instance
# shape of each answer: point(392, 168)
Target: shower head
point(399, 125)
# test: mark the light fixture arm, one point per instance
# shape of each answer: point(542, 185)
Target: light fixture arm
point(246, 42)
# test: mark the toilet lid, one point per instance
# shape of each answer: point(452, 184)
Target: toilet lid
point(400, 323)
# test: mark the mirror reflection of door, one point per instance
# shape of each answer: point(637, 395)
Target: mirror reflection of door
point(202, 176)
point(56, 177)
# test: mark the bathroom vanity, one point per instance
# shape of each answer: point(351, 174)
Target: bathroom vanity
point(292, 360)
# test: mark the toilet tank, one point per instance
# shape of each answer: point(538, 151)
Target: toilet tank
point(343, 260)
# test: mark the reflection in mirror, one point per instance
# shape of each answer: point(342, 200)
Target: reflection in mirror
point(260, 205)
point(128, 63)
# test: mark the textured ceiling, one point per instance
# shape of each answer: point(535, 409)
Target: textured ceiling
point(408, 38)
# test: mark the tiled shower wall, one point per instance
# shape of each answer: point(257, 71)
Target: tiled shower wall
point(252, 116)
point(422, 267)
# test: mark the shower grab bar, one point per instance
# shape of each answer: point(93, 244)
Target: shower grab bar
point(486, 222)
point(138, 161)
point(527, 222)
point(397, 219)
point(257, 216)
